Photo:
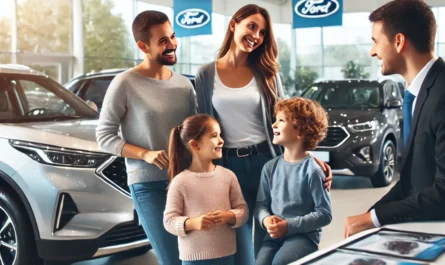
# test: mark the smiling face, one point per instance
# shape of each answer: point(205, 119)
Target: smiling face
point(249, 33)
point(162, 45)
point(385, 50)
point(284, 132)
point(210, 144)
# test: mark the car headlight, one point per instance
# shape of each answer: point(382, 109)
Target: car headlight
point(59, 156)
point(365, 126)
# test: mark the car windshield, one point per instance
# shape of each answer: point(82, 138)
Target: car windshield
point(344, 95)
point(26, 98)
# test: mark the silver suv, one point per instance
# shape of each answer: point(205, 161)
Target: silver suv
point(61, 198)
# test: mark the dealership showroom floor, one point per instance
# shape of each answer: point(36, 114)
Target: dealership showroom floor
point(350, 196)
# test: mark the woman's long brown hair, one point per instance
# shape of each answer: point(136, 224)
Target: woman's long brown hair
point(263, 60)
point(180, 157)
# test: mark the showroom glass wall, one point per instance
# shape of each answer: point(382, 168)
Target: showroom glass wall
point(41, 36)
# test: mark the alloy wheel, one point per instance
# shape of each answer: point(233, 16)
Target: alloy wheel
point(389, 162)
point(8, 239)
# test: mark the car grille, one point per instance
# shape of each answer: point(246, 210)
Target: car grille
point(123, 234)
point(116, 174)
point(336, 137)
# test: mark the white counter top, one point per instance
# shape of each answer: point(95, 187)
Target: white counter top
point(427, 227)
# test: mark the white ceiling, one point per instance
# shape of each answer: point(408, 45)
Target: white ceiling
point(280, 10)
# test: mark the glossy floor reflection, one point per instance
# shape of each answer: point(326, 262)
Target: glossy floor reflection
point(350, 196)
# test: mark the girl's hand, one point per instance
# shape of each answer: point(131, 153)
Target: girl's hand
point(203, 222)
point(223, 217)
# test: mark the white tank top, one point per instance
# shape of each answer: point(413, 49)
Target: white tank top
point(239, 111)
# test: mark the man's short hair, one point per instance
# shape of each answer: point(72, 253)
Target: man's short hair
point(308, 118)
point(412, 18)
point(143, 23)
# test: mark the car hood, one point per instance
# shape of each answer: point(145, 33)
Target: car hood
point(346, 116)
point(76, 134)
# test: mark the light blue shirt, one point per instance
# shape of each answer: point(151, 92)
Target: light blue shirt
point(295, 192)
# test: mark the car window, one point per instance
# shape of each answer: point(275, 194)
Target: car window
point(25, 98)
point(95, 90)
point(6, 109)
point(74, 85)
point(392, 91)
point(40, 99)
point(345, 95)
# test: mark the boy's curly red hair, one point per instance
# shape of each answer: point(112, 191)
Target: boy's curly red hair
point(308, 117)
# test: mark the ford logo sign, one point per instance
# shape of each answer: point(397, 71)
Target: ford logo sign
point(192, 18)
point(316, 8)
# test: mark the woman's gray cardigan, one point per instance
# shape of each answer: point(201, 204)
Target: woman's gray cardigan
point(204, 83)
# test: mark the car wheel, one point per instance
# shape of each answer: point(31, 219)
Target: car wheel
point(387, 168)
point(17, 244)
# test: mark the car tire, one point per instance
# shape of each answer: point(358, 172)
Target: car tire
point(17, 243)
point(387, 168)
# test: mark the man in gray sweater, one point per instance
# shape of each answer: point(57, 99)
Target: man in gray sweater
point(145, 103)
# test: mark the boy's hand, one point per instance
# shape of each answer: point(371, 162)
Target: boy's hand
point(277, 229)
point(275, 226)
point(223, 217)
point(203, 222)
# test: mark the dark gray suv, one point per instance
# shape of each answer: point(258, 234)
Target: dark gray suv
point(365, 122)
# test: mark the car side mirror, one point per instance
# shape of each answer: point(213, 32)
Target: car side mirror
point(92, 105)
point(394, 103)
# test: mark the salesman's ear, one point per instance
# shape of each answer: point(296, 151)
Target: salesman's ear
point(400, 42)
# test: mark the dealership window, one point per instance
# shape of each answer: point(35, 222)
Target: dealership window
point(343, 44)
point(5, 30)
point(198, 50)
point(107, 36)
point(44, 26)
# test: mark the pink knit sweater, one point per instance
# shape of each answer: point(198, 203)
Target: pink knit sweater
point(193, 194)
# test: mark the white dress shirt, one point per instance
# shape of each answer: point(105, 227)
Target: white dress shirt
point(414, 88)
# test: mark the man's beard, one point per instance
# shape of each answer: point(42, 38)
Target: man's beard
point(162, 61)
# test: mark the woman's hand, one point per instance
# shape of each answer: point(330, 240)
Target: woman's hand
point(327, 171)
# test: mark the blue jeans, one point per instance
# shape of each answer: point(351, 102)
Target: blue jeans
point(219, 261)
point(282, 251)
point(149, 200)
point(248, 171)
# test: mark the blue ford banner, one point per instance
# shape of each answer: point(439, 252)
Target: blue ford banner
point(317, 13)
point(192, 17)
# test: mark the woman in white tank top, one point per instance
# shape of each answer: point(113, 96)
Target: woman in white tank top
point(240, 90)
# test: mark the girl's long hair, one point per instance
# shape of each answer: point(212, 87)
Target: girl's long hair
point(193, 128)
point(263, 60)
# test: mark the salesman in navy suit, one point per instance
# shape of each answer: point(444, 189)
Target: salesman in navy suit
point(404, 33)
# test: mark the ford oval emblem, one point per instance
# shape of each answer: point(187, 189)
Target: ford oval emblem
point(316, 8)
point(192, 18)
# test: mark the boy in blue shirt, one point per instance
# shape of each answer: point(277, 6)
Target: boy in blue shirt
point(292, 204)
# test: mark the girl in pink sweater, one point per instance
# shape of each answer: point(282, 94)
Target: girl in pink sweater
point(204, 201)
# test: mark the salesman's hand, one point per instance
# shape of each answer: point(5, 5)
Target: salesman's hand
point(358, 223)
point(157, 158)
point(327, 171)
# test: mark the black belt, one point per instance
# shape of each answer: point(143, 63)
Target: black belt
point(255, 149)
